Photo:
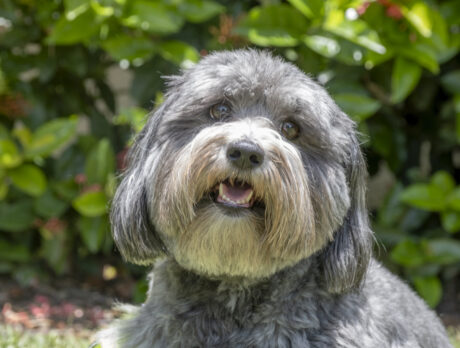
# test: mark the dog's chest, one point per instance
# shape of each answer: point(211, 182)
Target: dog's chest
point(236, 320)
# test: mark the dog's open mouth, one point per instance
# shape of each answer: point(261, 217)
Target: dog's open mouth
point(234, 194)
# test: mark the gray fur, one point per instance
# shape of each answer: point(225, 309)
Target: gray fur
point(297, 273)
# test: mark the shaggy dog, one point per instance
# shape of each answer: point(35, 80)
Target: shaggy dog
point(249, 182)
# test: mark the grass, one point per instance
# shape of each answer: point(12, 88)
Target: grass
point(454, 335)
point(11, 337)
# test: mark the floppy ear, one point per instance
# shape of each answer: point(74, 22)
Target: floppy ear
point(345, 259)
point(132, 227)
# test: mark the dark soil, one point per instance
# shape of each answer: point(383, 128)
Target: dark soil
point(85, 307)
point(64, 304)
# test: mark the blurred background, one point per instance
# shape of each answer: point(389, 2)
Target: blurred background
point(77, 78)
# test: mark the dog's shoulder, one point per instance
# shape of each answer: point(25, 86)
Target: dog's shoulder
point(397, 309)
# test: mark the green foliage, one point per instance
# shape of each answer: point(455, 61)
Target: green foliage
point(404, 79)
point(273, 25)
point(391, 65)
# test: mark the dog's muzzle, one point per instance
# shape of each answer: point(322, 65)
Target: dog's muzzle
point(242, 155)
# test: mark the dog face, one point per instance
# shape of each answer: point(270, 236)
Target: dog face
point(248, 167)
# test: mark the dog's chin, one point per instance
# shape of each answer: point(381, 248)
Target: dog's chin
point(225, 240)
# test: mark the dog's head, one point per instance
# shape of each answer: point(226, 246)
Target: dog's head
point(247, 167)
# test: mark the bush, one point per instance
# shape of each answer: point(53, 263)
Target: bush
point(391, 65)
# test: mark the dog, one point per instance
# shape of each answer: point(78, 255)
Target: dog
point(246, 188)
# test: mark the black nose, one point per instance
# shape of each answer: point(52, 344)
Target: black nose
point(245, 154)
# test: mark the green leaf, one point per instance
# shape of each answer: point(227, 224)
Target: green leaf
point(4, 134)
point(140, 291)
point(429, 288)
point(66, 189)
point(358, 107)
point(453, 200)
point(450, 10)
point(9, 154)
point(3, 83)
point(444, 181)
point(91, 204)
point(48, 205)
point(408, 254)
point(71, 30)
point(15, 217)
point(457, 104)
point(23, 134)
point(100, 163)
point(128, 47)
point(392, 210)
point(3, 188)
point(356, 31)
point(153, 17)
point(135, 117)
point(419, 16)
point(457, 127)
point(413, 219)
point(179, 53)
point(51, 136)
point(423, 196)
point(197, 11)
point(322, 45)
point(443, 251)
point(311, 8)
point(273, 25)
point(55, 249)
point(29, 179)
point(93, 231)
point(451, 221)
point(451, 82)
point(440, 39)
point(422, 54)
point(76, 5)
point(404, 79)
point(103, 11)
point(13, 252)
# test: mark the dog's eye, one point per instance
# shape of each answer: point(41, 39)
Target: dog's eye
point(290, 130)
point(219, 111)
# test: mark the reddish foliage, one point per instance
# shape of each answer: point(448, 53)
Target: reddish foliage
point(92, 188)
point(224, 32)
point(55, 225)
point(394, 11)
point(13, 106)
point(80, 178)
point(363, 8)
point(121, 159)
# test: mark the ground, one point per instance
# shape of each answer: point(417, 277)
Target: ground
point(67, 314)
point(61, 314)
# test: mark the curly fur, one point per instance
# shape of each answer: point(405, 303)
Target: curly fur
point(297, 270)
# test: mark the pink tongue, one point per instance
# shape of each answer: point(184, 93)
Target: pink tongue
point(237, 195)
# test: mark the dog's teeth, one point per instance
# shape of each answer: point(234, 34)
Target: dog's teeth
point(224, 197)
point(227, 199)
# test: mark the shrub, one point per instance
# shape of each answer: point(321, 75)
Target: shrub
point(391, 65)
